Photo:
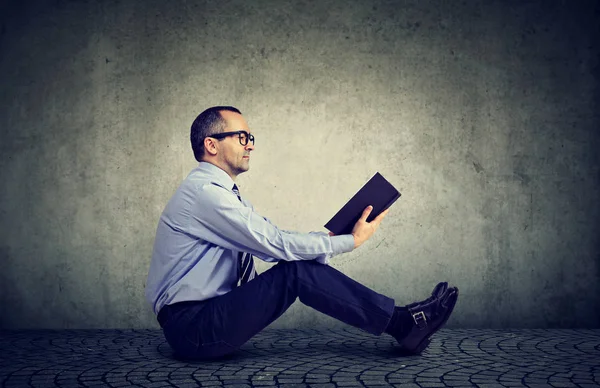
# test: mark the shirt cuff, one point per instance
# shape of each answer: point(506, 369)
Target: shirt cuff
point(342, 244)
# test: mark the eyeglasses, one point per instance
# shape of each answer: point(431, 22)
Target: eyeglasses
point(243, 136)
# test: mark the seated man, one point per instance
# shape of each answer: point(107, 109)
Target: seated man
point(202, 283)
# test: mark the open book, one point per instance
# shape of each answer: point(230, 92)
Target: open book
point(377, 192)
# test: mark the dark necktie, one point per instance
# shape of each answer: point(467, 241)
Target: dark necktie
point(245, 262)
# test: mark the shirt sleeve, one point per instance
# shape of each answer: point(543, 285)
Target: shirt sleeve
point(219, 217)
point(272, 259)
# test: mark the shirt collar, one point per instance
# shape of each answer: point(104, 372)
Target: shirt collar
point(217, 174)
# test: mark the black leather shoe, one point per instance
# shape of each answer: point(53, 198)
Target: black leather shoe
point(428, 318)
point(437, 292)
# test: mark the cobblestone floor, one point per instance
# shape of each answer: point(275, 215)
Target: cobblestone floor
point(302, 358)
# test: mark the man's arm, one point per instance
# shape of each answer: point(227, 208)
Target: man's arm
point(274, 260)
point(223, 220)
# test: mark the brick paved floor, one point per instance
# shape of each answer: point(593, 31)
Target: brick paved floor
point(301, 358)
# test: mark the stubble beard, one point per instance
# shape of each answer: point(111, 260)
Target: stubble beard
point(241, 167)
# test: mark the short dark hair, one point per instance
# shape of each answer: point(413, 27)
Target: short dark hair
point(207, 123)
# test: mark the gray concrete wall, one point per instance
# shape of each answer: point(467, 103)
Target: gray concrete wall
point(483, 114)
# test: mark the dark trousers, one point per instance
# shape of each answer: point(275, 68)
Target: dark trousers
point(219, 326)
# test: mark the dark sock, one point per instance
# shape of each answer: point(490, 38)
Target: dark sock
point(400, 324)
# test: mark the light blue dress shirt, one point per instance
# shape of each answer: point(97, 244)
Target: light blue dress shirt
point(201, 232)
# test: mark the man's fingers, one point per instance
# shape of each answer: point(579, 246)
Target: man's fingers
point(366, 213)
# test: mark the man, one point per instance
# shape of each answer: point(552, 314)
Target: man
point(202, 283)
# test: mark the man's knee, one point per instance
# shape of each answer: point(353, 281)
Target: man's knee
point(288, 266)
point(300, 268)
point(294, 269)
point(295, 264)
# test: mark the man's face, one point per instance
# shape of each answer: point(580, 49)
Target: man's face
point(233, 156)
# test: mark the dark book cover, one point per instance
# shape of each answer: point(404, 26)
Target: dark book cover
point(377, 192)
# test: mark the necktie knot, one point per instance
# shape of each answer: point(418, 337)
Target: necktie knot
point(236, 191)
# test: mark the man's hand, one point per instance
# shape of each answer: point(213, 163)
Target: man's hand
point(363, 230)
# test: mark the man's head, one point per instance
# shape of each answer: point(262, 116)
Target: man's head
point(212, 143)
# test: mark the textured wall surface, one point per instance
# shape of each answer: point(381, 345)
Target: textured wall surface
point(483, 114)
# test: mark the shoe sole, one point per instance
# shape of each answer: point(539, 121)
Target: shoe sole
point(427, 340)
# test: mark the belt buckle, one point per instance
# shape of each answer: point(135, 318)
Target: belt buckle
point(420, 319)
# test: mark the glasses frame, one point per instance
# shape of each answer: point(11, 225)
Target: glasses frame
point(249, 136)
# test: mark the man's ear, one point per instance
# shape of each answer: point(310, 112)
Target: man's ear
point(210, 146)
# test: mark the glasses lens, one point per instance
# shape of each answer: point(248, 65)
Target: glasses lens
point(243, 139)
